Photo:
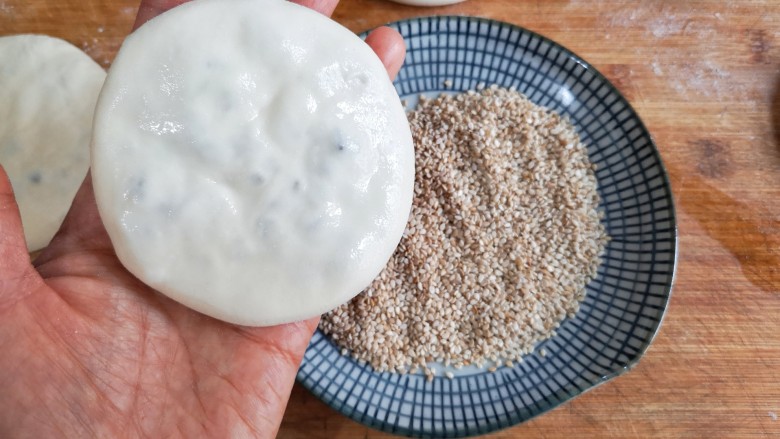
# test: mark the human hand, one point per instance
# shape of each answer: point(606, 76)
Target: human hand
point(89, 350)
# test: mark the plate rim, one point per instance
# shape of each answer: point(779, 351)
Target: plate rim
point(495, 426)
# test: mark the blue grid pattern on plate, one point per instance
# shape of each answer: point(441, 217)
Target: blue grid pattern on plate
point(625, 303)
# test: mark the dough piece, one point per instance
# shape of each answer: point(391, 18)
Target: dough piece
point(251, 160)
point(48, 90)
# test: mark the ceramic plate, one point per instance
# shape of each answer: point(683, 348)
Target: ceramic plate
point(625, 303)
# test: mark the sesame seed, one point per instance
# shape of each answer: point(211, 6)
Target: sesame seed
point(503, 236)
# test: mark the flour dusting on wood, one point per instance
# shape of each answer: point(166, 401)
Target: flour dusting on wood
point(6, 9)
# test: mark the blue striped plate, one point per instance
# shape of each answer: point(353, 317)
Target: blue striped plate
point(625, 303)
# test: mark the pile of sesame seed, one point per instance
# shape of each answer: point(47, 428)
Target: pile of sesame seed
point(503, 236)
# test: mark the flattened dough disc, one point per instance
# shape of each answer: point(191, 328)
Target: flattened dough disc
point(48, 90)
point(251, 160)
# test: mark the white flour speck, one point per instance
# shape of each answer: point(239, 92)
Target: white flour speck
point(703, 78)
point(96, 50)
point(773, 415)
point(624, 18)
point(668, 24)
point(6, 9)
point(660, 23)
point(657, 68)
point(699, 77)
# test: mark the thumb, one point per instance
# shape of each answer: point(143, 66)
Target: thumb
point(17, 275)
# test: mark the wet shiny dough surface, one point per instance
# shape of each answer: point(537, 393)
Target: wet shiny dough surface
point(255, 171)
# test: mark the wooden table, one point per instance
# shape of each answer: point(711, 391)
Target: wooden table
point(705, 78)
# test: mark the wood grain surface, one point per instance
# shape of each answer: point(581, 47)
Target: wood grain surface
point(705, 78)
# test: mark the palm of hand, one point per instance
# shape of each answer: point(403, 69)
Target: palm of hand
point(86, 349)
point(90, 349)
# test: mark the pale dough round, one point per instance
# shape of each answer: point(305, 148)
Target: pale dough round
point(48, 90)
point(251, 160)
